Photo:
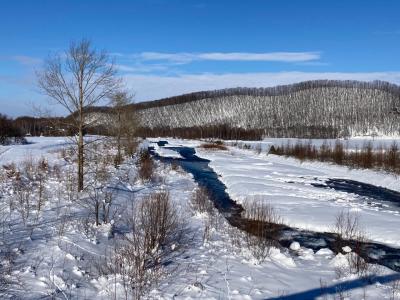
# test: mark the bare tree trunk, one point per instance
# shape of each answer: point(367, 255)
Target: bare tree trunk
point(80, 160)
point(80, 144)
point(97, 211)
point(119, 137)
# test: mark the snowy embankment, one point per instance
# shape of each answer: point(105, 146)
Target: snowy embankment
point(165, 152)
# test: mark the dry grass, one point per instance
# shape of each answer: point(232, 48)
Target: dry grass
point(213, 146)
point(365, 157)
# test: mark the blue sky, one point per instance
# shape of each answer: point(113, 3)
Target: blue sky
point(168, 47)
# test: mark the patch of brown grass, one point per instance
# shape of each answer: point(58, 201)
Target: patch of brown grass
point(213, 146)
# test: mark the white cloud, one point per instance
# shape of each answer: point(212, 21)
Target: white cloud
point(185, 57)
point(26, 60)
point(23, 60)
point(152, 87)
point(140, 68)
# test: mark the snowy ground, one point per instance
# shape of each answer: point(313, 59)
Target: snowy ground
point(286, 184)
point(53, 261)
point(36, 148)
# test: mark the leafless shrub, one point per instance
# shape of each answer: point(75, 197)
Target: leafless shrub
point(63, 154)
point(236, 237)
point(108, 159)
point(338, 153)
point(95, 202)
point(56, 172)
point(42, 195)
point(174, 166)
point(157, 230)
point(394, 290)
point(130, 146)
point(98, 196)
point(62, 224)
point(159, 221)
point(11, 170)
point(200, 201)
point(349, 233)
point(28, 167)
point(43, 165)
point(23, 203)
point(7, 267)
point(364, 157)
point(262, 227)
point(347, 226)
point(145, 166)
point(70, 182)
point(106, 205)
point(341, 293)
point(135, 267)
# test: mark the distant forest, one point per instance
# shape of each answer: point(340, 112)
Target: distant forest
point(310, 109)
point(318, 109)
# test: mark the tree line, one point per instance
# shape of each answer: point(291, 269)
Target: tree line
point(9, 131)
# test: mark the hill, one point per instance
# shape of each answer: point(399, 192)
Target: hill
point(323, 108)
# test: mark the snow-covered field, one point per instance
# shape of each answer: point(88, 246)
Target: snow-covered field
point(60, 259)
point(286, 184)
point(38, 147)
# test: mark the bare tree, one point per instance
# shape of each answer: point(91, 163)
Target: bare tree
point(77, 79)
point(123, 121)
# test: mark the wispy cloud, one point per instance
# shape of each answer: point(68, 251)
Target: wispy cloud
point(140, 68)
point(151, 87)
point(26, 60)
point(186, 57)
point(21, 59)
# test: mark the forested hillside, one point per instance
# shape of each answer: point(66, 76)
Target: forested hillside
point(322, 108)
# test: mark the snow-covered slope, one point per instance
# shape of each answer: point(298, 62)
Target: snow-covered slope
point(319, 108)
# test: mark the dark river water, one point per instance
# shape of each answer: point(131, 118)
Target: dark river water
point(372, 195)
point(205, 176)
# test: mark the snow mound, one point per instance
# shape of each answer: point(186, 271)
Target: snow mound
point(295, 246)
